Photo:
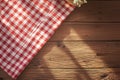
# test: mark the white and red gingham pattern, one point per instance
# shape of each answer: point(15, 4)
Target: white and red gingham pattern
point(25, 26)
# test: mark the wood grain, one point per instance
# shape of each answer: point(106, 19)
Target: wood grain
point(85, 47)
point(87, 31)
point(78, 55)
point(71, 74)
point(97, 11)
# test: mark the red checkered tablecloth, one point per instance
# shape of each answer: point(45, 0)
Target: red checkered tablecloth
point(25, 26)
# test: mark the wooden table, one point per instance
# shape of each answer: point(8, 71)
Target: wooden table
point(85, 47)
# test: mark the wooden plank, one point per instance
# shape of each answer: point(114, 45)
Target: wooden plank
point(78, 54)
point(70, 74)
point(87, 31)
point(97, 11)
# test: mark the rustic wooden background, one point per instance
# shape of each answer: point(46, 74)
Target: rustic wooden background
point(85, 47)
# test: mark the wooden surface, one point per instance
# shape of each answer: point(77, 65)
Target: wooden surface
point(85, 47)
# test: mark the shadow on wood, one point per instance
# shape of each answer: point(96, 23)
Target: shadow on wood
point(80, 75)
